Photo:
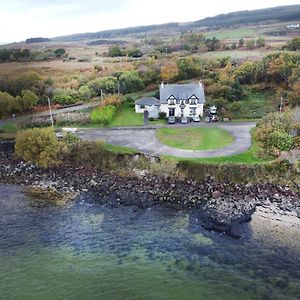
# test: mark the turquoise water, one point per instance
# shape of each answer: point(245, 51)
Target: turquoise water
point(89, 251)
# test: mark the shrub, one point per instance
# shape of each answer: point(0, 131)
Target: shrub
point(162, 115)
point(114, 100)
point(273, 133)
point(38, 146)
point(91, 154)
point(39, 121)
point(72, 118)
point(103, 115)
point(280, 140)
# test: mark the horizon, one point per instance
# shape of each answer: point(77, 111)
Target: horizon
point(59, 18)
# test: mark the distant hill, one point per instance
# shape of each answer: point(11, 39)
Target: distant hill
point(279, 13)
point(120, 32)
point(37, 40)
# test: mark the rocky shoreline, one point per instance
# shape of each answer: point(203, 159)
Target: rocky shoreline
point(224, 207)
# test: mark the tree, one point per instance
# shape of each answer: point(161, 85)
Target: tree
point(38, 145)
point(250, 44)
point(85, 93)
point(6, 103)
point(293, 45)
point(241, 43)
point(189, 68)
point(115, 51)
point(169, 72)
point(28, 100)
point(131, 82)
point(106, 84)
point(281, 66)
point(260, 42)
point(60, 52)
point(294, 94)
point(136, 53)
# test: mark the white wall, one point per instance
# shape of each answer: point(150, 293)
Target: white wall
point(165, 108)
point(139, 110)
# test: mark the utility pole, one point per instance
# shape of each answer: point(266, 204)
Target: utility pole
point(50, 111)
point(281, 105)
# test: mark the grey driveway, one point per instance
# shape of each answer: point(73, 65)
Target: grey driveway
point(144, 140)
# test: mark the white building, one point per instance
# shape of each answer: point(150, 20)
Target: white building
point(178, 100)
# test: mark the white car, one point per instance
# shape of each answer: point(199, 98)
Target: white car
point(196, 119)
point(184, 120)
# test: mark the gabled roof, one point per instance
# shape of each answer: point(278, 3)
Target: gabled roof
point(182, 92)
point(147, 101)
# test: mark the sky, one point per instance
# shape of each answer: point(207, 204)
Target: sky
point(22, 19)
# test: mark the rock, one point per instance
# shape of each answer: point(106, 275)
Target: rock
point(93, 183)
point(217, 194)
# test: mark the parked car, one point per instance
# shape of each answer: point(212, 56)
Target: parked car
point(184, 120)
point(171, 120)
point(207, 119)
point(59, 135)
point(214, 118)
point(196, 119)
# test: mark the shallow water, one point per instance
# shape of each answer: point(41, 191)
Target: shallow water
point(87, 251)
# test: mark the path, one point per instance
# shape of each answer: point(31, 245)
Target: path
point(144, 140)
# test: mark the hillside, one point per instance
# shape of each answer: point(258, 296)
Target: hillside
point(280, 13)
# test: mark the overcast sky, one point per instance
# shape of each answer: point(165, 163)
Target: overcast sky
point(21, 19)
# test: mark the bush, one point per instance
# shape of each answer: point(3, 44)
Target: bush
point(91, 154)
point(103, 115)
point(162, 115)
point(39, 146)
point(40, 121)
point(73, 118)
point(280, 140)
point(273, 133)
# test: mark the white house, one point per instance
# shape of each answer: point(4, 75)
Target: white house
point(178, 100)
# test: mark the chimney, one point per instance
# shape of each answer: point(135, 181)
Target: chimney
point(162, 85)
point(200, 84)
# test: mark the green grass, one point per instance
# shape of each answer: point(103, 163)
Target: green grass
point(248, 157)
point(126, 116)
point(232, 33)
point(195, 138)
point(11, 126)
point(120, 149)
point(254, 106)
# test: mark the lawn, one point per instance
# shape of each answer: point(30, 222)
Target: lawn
point(248, 157)
point(126, 116)
point(195, 138)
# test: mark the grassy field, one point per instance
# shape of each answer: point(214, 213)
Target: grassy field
point(232, 33)
point(194, 138)
point(254, 106)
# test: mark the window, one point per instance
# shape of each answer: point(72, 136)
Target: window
point(142, 106)
point(172, 100)
point(192, 111)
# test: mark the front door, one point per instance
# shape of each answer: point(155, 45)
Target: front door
point(171, 112)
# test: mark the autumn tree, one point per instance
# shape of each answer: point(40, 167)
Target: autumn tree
point(169, 72)
point(38, 145)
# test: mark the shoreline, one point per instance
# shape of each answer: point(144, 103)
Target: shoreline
point(225, 207)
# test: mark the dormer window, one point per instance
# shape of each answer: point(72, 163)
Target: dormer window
point(193, 100)
point(172, 100)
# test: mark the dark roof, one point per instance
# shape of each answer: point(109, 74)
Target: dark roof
point(147, 101)
point(182, 92)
